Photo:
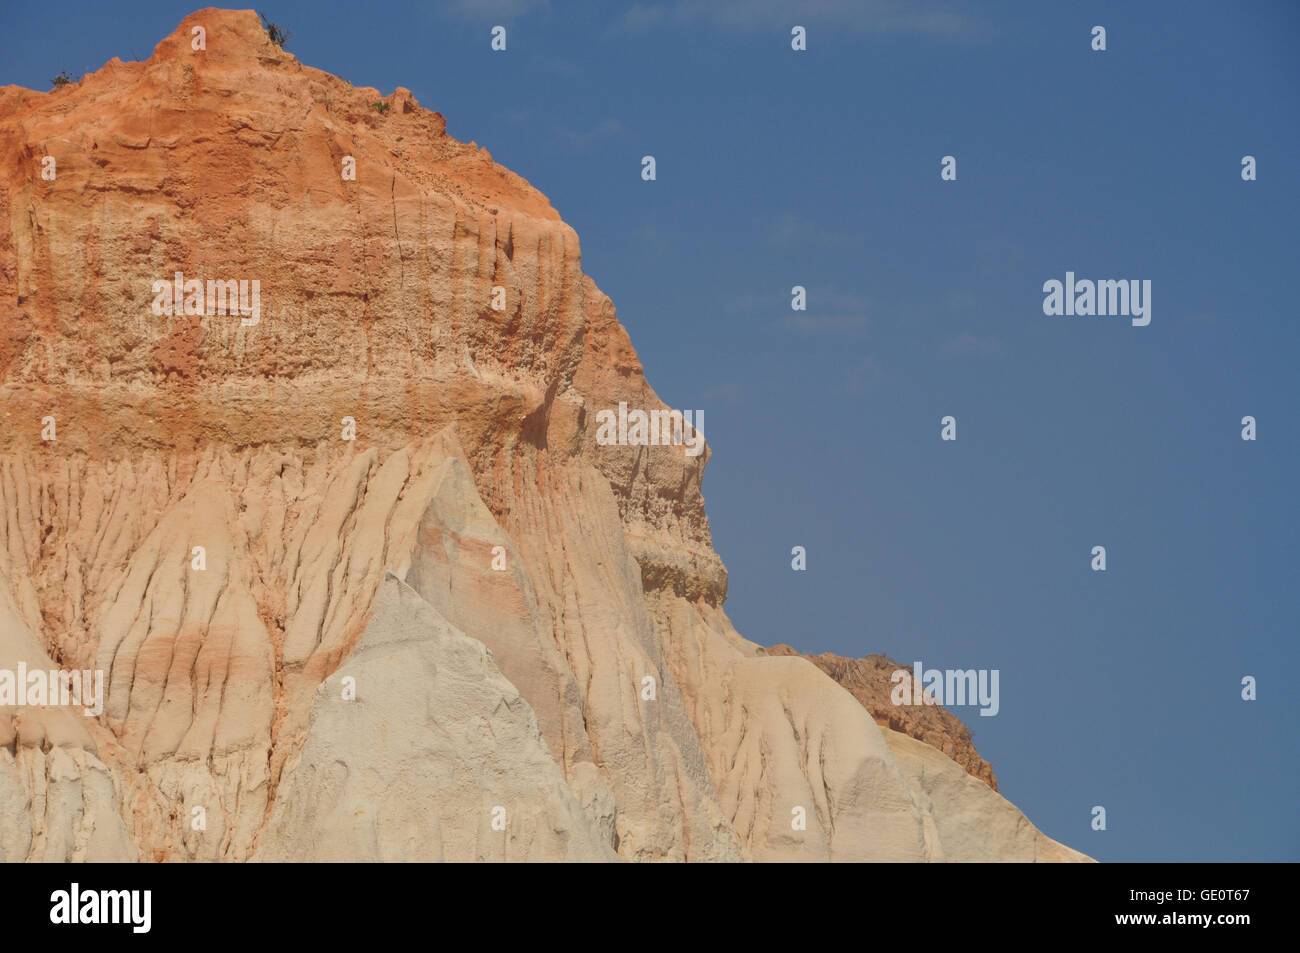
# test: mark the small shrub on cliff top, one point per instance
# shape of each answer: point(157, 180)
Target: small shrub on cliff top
point(383, 107)
point(63, 79)
point(278, 36)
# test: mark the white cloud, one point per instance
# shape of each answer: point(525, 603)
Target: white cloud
point(639, 18)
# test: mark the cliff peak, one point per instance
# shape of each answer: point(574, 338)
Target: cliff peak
point(300, 456)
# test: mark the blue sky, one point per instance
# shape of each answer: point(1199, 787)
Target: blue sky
point(821, 168)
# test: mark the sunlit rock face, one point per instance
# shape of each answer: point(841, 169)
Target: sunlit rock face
point(360, 580)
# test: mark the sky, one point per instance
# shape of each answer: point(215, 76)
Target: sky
point(821, 168)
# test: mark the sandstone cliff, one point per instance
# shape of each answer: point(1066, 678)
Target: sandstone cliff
point(468, 633)
point(868, 680)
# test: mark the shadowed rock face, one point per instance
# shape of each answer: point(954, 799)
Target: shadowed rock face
point(530, 625)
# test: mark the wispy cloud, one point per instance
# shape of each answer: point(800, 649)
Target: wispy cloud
point(581, 138)
point(732, 392)
point(486, 9)
point(864, 374)
point(971, 345)
point(560, 66)
point(829, 311)
point(788, 231)
point(809, 322)
point(638, 18)
point(935, 17)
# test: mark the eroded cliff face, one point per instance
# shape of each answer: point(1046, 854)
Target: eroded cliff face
point(532, 624)
point(868, 680)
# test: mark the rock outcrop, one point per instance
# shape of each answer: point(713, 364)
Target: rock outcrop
point(868, 680)
point(470, 632)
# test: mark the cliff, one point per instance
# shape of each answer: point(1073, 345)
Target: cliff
point(868, 680)
point(470, 632)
